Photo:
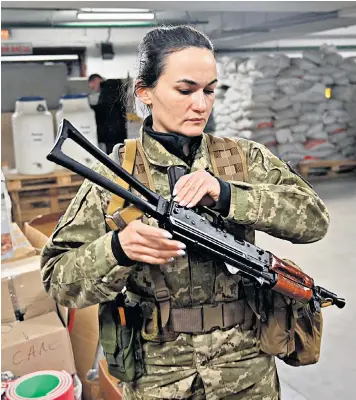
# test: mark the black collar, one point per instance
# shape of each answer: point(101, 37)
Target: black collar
point(183, 147)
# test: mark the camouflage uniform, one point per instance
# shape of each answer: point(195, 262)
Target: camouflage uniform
point(79, 270)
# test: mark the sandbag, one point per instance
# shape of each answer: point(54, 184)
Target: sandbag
point(316, 131)
point(284, 135)
point(310, 118)
point(303, 64)
point(281, 104)
point(299, 128)
point(319, 148)
point(286, 114)
point(282, 123)
point(313, 56)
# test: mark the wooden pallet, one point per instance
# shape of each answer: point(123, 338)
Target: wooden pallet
point(326, 169)
point(34, 195)
point(58, 178)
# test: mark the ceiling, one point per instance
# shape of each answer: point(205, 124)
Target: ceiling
point(231, 24)
point(213, 6)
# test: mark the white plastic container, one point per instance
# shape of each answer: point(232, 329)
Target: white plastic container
point(76, 109)
point(33, 133)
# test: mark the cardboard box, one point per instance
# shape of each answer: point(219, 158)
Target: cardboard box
point(7, 308)
point(22, 287)
point(21, 246)
point(38, 239)
point(35, 237)
point(44, 224)
point(84, 336)
point(37, 344)
point(109, 385)
point(84, 329)
point(91, 390)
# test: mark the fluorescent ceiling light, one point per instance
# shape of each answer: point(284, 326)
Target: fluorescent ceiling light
point(119, 10)
point(94, 24)
point(51, 57)
point(116, 16)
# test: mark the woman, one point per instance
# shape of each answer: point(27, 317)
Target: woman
point(85, 263)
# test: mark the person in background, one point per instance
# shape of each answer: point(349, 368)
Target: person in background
point(94, 82)
point(110, 110)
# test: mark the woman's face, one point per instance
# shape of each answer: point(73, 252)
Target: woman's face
point(184, 96)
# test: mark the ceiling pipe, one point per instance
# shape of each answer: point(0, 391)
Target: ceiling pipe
point(95, 24)
point(288, 32)
point(277, 24)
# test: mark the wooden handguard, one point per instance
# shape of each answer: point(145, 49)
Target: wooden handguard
point(291, 281)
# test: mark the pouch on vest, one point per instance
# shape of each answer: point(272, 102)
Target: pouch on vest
point(307, 339)
point(287, 329)
point(121, 342)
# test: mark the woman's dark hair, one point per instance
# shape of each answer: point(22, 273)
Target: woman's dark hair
point(159, 43)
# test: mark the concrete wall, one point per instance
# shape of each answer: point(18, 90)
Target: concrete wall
point(123, 64)
point(126, 41)
point(17, 80)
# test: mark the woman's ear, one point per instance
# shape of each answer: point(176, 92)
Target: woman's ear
point(144, 94)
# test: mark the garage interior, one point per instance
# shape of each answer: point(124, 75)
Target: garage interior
point(304, 53)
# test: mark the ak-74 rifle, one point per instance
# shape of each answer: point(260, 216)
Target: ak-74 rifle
point(192, 227)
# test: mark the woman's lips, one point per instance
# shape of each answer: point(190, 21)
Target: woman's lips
point(196, 119)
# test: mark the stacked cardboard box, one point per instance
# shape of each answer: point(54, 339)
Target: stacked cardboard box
point(44, 339)
point(83, 327)
point(32, 335)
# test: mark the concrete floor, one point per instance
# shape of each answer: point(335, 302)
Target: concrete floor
point(332, 264)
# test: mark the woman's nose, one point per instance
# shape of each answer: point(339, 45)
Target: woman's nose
point(199, 102)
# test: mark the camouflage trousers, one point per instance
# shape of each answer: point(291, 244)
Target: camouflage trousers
point(219, 365)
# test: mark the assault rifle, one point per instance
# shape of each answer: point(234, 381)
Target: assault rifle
point(199, 227)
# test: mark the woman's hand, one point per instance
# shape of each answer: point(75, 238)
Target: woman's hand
point(149, 244)
point(191, 189)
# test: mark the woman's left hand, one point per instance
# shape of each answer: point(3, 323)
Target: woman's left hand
point(197, 187)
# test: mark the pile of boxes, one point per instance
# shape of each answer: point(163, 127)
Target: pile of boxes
point(35, 331)
point(33, 337)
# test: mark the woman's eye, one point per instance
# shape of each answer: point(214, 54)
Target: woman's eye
point(209, 91)
point(185, 92)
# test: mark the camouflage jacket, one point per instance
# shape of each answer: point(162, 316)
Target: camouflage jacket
point(78, 265)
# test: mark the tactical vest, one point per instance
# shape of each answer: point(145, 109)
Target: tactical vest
point(228, 163)
point(227, 160)
point(294, 339)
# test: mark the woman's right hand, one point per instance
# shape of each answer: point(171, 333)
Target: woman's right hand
point(148, 244)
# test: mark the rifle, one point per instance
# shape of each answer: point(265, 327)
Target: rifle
point(194, 228)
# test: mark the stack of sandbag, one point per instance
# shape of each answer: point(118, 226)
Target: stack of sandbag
point(281, 102)
point(249, 93)
point(226, 68)
point(341, 109)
